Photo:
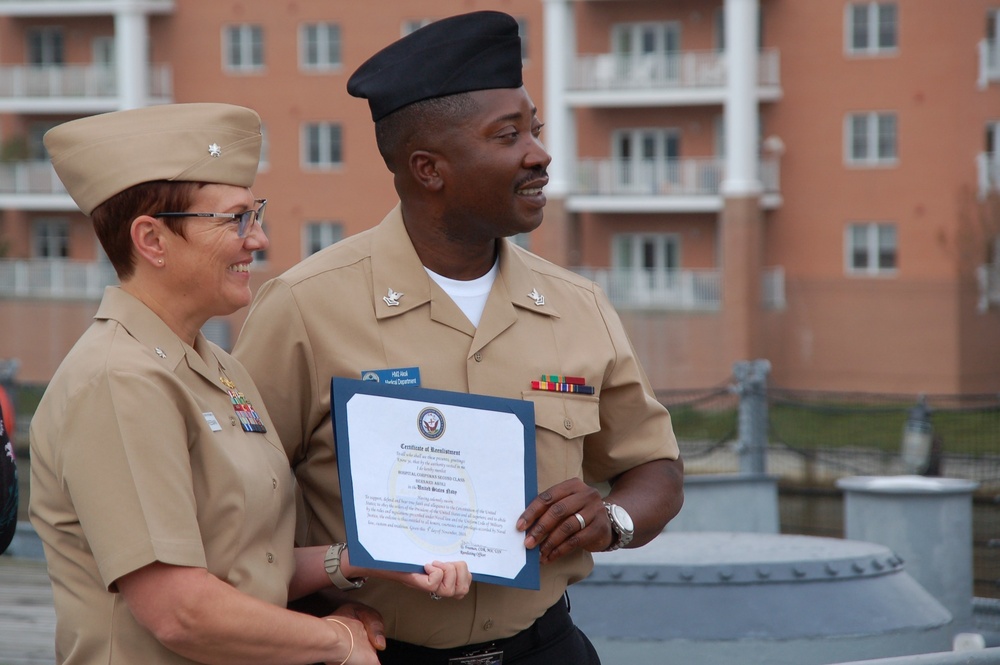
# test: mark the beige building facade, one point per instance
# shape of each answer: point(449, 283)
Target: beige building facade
point(814, 183)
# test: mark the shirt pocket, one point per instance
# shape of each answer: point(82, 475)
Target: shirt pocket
point(562, 421)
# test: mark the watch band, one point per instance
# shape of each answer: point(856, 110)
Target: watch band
point(621, 535)
point(332, 565)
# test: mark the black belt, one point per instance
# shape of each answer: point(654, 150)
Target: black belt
point(554, 623)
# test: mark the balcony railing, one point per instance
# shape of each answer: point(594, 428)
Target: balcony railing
point(55, 279)
point(689, 69)
point(988, 168)
point(29, 178)
point(989, 62)
point(688, 290)
point(74, 81)
point(658, 289)
point(684, 177)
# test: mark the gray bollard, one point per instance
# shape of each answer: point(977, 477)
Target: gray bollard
point(927, 522)
point(729, 502)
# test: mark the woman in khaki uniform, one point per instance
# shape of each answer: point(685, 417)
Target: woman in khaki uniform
point(159, 487)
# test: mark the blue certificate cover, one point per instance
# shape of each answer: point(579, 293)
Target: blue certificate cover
point(431, 475)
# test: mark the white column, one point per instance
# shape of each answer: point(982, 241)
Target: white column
point(559, 134)
point(132, 56)
point(741, 98)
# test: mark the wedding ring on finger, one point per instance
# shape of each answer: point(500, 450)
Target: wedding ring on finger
point(583, 522)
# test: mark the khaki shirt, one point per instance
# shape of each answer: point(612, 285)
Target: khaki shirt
point(128, 469)
point(328, 317)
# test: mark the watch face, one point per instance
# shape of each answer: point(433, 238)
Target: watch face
point(623, 518)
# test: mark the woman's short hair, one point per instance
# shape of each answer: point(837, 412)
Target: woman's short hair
point(113, 218)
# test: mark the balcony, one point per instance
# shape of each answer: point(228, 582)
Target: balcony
point(681, 185)
point(683, 290)
point(989, 62)
point(676, 79)
point(55, 279)
point(72, 88)
point(988, 171)
point(82, 7)
point(32, 186)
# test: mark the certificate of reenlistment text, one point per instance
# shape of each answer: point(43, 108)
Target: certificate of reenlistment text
point(431, 475)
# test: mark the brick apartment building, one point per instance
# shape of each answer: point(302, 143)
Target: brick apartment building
point(814, 183)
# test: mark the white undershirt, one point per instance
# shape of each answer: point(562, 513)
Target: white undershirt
point(469, 295)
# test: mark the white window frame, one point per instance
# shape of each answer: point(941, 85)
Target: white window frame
point(51, 42)
point(320, 47)
point(50, 238)
point(873, 17)
point(877, 237)
point(243, 48)
point(327, 138)
point(318, 235)
point(666, 251)
point(639, 170)
point(875, 124)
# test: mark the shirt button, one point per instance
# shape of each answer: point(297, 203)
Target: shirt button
point(232, 420)
point(270, 558)
point(488, 625)
point(274, 483)
point(568, 424)
point(478, 357)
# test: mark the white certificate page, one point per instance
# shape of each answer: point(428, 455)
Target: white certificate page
point(436, 481)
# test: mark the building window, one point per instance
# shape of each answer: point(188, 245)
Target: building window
point(243, 48)
point(871, 138)
point(319, 46)
point(322, 145)
point(50, 239)
point(412, 25)
point(317, 235)
point(265, 149)
point(649, 252)
point(646, 160)
point(45, 46)
point(872, 28)
point(871, 248)
point(522, 31)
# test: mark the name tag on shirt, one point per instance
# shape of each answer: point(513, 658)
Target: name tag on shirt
point(212, 421)
point(399, 376)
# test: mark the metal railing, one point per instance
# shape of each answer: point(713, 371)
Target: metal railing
point(29, 178)
point(629, 288)
point(74, 81)
point(55, 279)
point(694, 290)
point(688, 69)
point(678, 177)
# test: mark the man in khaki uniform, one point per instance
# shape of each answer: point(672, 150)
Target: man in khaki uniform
point(437, 287)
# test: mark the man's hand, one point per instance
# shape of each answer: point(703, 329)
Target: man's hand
point(369, 618)
point(550, 520)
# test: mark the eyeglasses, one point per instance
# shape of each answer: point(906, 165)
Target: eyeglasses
point(243, 220)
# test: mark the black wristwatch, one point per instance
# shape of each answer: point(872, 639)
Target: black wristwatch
point(622, 529)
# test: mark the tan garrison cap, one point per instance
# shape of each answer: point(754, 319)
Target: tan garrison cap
point(101, 155)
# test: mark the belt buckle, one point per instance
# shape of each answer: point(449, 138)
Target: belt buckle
point(479, 658)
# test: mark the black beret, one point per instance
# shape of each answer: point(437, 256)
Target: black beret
point(476, 51)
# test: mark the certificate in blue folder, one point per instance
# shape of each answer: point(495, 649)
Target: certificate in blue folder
point(431, 475)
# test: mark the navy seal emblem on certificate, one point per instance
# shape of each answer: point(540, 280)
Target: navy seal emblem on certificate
point(430, 422)
point(431, 475)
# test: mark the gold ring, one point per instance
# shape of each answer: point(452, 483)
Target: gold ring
point(583, 522)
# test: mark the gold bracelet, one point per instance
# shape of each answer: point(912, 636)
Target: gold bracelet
point(348, 657)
